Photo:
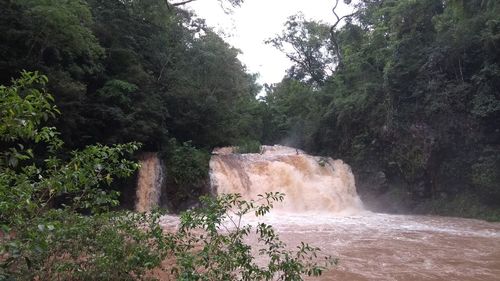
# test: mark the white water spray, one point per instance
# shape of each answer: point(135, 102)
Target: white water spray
point(311, 184)
point(370, 246)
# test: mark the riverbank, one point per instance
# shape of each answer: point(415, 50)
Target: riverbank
point(467, 205)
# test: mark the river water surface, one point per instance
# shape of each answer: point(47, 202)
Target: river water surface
point(395, 247)
point(373, 246)
point(322, 208)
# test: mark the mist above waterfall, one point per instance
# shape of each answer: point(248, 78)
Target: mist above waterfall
point(310, 183)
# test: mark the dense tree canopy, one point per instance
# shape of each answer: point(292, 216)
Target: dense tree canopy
point(406, 91)
point(131, 70)
point(140, 70)
point(311, 47)
point(56, 221)
point(417, 96)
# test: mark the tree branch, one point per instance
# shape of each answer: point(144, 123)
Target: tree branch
point(180, 3)
point(334, 38)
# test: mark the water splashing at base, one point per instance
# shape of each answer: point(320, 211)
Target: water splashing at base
point(369, 246)
point(311, 184)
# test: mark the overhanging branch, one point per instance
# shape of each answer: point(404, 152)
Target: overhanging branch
point(334, 38)
point(181, 3)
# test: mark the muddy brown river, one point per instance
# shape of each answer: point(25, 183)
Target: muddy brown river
point(385, 247)
point(395, 247)
point(322, 208)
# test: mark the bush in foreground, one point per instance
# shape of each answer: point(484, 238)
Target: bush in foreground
point(211, 244)
point(44, 232)
point(57, 224)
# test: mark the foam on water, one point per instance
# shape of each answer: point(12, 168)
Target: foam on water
point(323, 209)
point(374, 246)
point(310, 183)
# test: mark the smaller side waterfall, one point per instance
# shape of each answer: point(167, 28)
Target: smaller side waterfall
point(149, 182)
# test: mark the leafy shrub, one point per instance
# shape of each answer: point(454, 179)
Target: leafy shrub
point(486, 173)
point(248, 146)
point(45, 235)
point(42, 240)
point(187, 172)
point(465, 205)
point(210, 244)
point(186, 164)
point(62, 245)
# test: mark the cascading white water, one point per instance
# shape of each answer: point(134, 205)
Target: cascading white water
point(149, 182)
point(310, 183)
point(370, 246)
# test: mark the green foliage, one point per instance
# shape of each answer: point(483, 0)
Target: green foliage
point(312, 53)
point(186, 164)
point(486, 174)
point(64, 28)
point(248, 146)
point(44, 233)
point(416, 96)
point(213, 100)
point(124, 71)
point(70, 246)
point(292, 113)
point(234, 3)
point(23, 108)
point(210, 244)
point(187, 172)
point(466, 205)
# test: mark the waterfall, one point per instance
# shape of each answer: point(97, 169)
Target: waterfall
point(149, 182)
point(310, 183)
point(370, 246)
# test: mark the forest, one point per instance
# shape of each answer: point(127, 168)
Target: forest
point(407, 92)
point(412, 104)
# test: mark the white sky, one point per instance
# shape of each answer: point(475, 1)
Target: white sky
point(257, 20)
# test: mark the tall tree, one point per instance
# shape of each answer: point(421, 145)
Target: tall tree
point(416, 97)
point(311, 50)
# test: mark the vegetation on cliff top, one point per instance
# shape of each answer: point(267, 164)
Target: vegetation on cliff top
point(405, 91)
point(57, 223)
point(413, 103)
